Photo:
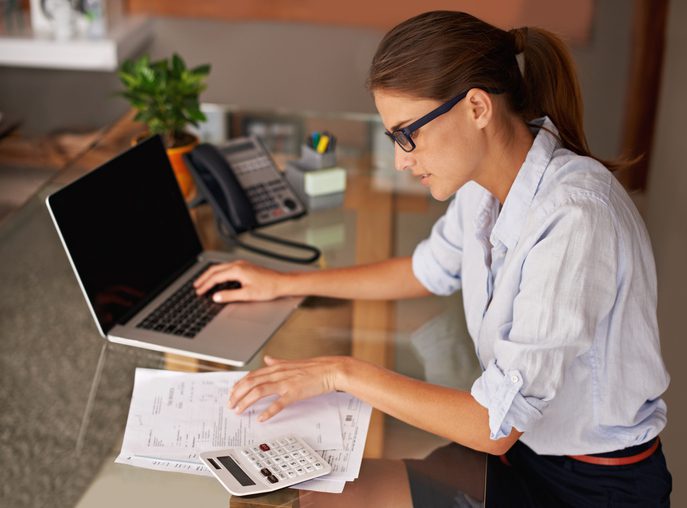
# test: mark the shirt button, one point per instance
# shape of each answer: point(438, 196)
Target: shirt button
point(514, 379)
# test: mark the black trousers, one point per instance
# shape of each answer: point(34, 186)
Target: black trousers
point(547, 480)
point(453, 476)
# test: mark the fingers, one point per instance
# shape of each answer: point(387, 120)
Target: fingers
point(269, 360)
point(274, 408)
point(233, 295)
point(255, 394)
point(216, 274)
point(282, 379)
point(248, 383)
point(289, 380)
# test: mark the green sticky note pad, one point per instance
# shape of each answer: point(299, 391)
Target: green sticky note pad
point(324, 181)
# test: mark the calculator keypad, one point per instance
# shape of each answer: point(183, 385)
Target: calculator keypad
point(282, 460)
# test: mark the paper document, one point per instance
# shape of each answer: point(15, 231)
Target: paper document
point(355, 420)
point(173, 416)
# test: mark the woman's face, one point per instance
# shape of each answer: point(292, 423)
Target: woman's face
point(448, 149)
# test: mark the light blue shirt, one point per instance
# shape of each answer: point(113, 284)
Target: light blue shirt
point(559, 291)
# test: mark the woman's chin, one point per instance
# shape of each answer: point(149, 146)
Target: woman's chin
point(441, 194)
point(446, 191)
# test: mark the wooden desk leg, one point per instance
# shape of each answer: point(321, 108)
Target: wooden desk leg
point(372, 321)
point(373, 343)
point(181, 363)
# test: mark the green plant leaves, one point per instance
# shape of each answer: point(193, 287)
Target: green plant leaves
point(201, 70)
point(165, 93)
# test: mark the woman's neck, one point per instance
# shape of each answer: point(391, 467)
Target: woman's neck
point(508, 146)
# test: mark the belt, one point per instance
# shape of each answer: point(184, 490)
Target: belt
point(652, 446)
point(618, 461)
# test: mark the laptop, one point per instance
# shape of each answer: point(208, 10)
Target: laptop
point(132, 244)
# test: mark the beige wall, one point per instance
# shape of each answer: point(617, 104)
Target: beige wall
point(666, 214)
point(323, 68)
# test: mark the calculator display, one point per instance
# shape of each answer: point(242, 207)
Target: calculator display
point(236, 471)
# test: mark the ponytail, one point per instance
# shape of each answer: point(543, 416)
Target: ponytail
point(550, 85)
point(439, 54)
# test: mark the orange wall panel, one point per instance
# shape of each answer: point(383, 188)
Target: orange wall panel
point(572, 20)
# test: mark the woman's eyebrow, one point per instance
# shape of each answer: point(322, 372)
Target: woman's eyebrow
point(399, 124)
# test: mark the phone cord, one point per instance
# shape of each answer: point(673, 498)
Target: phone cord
point(316, 253)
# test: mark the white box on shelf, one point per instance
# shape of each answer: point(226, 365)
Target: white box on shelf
point(29, 49)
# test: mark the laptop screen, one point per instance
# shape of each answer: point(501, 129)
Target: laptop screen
point(127, 230)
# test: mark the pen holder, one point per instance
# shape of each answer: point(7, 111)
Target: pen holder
point(312, 159)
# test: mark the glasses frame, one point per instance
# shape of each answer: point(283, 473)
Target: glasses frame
point(405, 133)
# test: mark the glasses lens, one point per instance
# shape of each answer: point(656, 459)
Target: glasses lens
point(403, 141)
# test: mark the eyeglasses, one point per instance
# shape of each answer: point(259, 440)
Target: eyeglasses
point(404, 135)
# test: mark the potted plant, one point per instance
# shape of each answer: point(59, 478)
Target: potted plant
point(165, 94)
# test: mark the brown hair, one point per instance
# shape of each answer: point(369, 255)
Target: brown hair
point(439, 54)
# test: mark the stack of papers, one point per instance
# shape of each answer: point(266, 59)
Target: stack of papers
point(175, 415)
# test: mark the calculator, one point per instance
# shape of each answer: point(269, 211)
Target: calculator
point(268, 466)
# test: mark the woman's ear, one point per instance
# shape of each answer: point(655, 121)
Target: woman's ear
point(481, 107)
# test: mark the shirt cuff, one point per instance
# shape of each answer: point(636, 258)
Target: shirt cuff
point(431, 274)
point(499, 392)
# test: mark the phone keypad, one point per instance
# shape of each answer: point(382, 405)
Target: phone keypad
point(250, 165)
point(268, 199)
point(268, 193)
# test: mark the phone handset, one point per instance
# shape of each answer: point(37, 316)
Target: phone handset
point(214, 170)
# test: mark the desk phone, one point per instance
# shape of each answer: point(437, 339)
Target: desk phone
point(272, 465)
point(242, 183)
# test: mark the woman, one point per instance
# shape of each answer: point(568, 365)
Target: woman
point(557, 275)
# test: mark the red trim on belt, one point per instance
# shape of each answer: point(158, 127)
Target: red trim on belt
point(618, 461)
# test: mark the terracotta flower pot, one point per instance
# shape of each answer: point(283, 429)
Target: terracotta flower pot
point(176, 159)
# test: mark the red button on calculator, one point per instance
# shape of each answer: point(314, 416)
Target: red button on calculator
point(264, 447)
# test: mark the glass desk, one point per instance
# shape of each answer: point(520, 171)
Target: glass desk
point(65, 393)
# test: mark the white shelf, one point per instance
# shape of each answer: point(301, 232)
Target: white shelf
point(80, 53)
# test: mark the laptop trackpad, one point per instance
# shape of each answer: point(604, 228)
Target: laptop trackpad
point(262, 312)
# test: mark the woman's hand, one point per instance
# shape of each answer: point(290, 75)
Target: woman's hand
point(257, 283)
point(290, 380)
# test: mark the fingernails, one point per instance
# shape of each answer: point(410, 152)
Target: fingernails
point(217, 297)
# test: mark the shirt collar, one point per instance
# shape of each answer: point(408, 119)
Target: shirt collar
point(514, 212)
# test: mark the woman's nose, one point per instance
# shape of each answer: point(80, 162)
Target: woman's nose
point(402, 160)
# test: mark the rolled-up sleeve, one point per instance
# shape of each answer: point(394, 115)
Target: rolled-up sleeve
point(499, 392)
point(567, 289)
point(437, 260)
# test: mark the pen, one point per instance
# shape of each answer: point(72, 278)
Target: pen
point(323, 144)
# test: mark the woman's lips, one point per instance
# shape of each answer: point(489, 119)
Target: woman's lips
point(424, 178)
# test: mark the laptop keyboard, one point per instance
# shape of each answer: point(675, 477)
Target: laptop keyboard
point(184, 313)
